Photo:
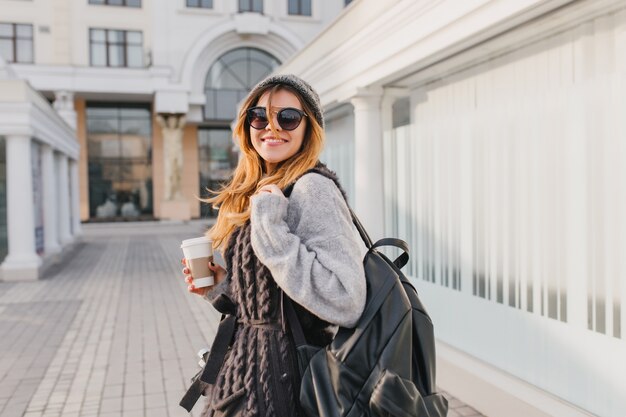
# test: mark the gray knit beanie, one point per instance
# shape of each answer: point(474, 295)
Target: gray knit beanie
point(302, 87)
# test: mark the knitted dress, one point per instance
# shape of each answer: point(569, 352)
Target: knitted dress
point(258, 376)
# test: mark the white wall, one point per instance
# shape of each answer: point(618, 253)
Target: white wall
point(514, 207)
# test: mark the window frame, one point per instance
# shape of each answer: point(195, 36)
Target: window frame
point(299, 8)
point(106, 3)
point(14, 38)
point(107, 45)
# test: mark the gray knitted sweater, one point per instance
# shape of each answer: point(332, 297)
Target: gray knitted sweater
point(312, 249)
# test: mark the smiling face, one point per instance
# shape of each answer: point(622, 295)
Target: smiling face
point(277, 145)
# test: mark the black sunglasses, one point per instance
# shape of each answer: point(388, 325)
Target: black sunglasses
point(288, 118)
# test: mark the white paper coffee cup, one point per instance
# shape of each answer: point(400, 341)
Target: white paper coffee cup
point(198, 252)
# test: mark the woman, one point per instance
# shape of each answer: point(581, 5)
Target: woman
point(304, 245)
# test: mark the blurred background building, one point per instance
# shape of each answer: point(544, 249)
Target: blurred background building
point(488, 134)
point(141, 94)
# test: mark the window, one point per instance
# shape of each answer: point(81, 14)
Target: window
point(116, 48)
point(299, 7)
point(346, 2)
point(202, 4)
point(251, 6)
point(231, 78)
point(16, 42)
point(119, 160)
point(128, 3)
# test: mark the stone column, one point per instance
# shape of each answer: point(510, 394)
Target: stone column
point(74, 198)
point(64, 105)
point(368, 161)
point(63, 199)
point(50, 232)
point(174, 205)
point(22, 262)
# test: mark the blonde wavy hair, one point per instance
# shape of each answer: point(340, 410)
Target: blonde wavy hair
point(233, 199)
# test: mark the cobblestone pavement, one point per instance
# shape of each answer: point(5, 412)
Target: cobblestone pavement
point(111, 331)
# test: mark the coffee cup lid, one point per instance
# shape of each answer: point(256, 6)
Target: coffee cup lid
point(195, 241)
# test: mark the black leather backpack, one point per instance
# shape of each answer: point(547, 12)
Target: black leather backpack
point(385, 365)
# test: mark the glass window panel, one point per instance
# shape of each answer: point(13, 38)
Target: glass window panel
point(133, 3)
point(235, 55)
point(115, 2)
point(134, 113)
point(6, 50)
point(115, 36)
point(98, 55)
point(6, 30)
point(132, 147)
point(103, 112)
point(110, 148)
point(306, 7)
point(24, 50)
point(134, 127)
point(24, 31)
point(262, 57)
point(116, 56)
point(257, 6)
point(209, 107)
point(244, 5)
point(226, 105)
point(95, 125)
point(134, 37)
point(97, 35)
point(292, 7)
point(193, 3)
point(135, 56)
point(207, 4)
point(96, 1)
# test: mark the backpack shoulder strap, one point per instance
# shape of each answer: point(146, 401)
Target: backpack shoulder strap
point(322, 169)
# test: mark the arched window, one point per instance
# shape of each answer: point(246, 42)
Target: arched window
point(230, 79)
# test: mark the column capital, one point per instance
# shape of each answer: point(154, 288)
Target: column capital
point(171, 120)
point(64, 106)
point(367, 98)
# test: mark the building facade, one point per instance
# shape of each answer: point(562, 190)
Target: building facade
point(490, 136)
point(151, 87)
point(147, 90)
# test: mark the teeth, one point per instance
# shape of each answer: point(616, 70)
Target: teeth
point(274, 140)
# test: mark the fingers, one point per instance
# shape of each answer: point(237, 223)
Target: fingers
point(188, 279)
point(186, 271)
point(183, 261)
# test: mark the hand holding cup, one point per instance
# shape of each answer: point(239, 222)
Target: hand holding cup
point(218, 271)
point(199, 268)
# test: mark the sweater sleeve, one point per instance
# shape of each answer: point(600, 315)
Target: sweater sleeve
point(318, 261)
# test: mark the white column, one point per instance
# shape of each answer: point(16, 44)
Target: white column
point(50, 232)
point(22, 262)
point(63, 206)
point(64, 105)
point(74, 200)
point(368, 162)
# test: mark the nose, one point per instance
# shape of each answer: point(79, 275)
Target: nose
point(273, 120)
